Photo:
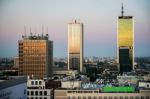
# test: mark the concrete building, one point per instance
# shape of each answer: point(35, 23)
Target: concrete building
point(75, 46)
point(37, 90)
point(125, 43)
point(97, 94)
point(65, 72)
point(35, 56)
point(71, 84)
point(13, 88)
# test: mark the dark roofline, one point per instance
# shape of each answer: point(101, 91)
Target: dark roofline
point(125, 17)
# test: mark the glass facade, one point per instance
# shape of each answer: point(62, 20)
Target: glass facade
point(75, 46)
point(35, 58)
point(125, 41)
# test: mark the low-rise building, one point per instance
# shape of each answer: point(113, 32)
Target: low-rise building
point(97, 94)
point(37, 89)
point(13, 87)
point(129, 79)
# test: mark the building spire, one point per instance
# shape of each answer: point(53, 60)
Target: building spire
point(122, 12)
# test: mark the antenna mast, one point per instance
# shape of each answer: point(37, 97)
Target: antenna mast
point(122, 10)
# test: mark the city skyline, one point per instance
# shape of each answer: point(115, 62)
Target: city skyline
point(99, 17)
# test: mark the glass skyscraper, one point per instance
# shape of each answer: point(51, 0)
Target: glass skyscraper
point(125, 43)
point(75, 46)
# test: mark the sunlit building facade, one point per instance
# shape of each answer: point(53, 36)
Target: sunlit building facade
point(75, 46)
point(125, 43)
point(35, 56)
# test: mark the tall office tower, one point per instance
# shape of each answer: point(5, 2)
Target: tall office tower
point(125, 43)
point(35, 56)
point(75, 46)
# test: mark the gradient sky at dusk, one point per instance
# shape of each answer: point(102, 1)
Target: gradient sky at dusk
point(98, 16)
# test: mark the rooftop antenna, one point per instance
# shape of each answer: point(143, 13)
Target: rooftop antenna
point(30, 32)
point(122, 10)
point(35, 30)
point(24, 30)
point(47, 31)
point(42, 29)
point(75, 21)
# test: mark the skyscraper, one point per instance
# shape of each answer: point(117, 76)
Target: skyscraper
point(75, 46)
point(125, 42)
point(35, 56)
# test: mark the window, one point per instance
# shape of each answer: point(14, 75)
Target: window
point(24, 92)
point(79, 97)
point(32, 82)
point(136, 97)
point(45, 97)
point(89, 97)
point(126, 97)
point(36, 97)
point(73, 97)
point(45, 92)
point(68, 98)
point(36, 92)
point(36, 82)
point(105, 97)
point(40, 92)
point(121, 97)
point(84, 97)
point(31, 92)
point(131, 97)
point(115, 97)
point(147, 97)
point(94, 97)
point(40, 82)
point(100, 97)
point(142, 97)
point(27, 92)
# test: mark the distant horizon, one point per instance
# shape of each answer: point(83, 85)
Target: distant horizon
point(99, 18)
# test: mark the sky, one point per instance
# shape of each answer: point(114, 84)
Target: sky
point(99, 18)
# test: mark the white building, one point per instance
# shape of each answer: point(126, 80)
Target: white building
point(144, 84)
point(37, 90)
point(70, 84)
point(72, 73)
point(13, 88)
point(129, 79)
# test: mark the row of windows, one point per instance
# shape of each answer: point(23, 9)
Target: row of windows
point(39, 93)
point(36, 82)
point(105, 97)
point(37, 98)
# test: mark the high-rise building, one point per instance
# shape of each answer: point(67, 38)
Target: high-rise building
point(75, 46)
point(35, 56)
point(125, 43)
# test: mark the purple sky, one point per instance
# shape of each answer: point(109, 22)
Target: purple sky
point(98, 16)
